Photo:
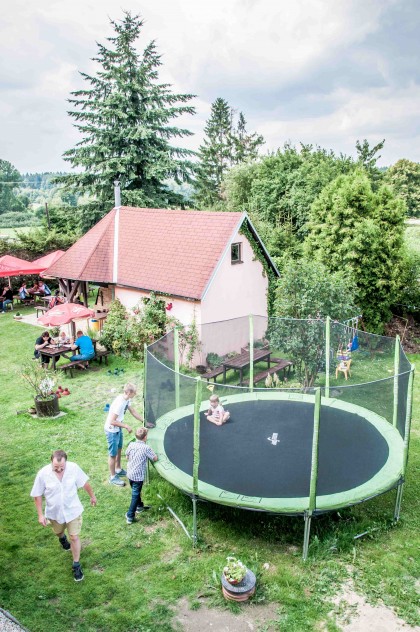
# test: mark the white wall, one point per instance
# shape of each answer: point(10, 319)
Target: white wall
point(236, 291)
point(182, 309)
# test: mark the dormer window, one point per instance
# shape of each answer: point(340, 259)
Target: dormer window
point(236, 253)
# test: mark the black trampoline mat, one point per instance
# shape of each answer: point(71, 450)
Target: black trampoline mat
point(239, 457)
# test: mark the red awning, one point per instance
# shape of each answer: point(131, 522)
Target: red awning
point(41, 264)
point(13, 266)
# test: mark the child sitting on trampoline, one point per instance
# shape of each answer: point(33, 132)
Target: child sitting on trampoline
point(216, 413)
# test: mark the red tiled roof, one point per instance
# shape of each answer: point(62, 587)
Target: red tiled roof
point(170, 251)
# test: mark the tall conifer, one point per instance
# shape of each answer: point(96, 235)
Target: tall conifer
point(125, 119)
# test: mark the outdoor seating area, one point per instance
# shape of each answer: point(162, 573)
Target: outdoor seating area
point(239, 364)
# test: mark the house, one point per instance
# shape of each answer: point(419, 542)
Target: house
point(207, 266)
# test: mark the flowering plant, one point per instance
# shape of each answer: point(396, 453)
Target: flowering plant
point(39, 379)
point(234, 571)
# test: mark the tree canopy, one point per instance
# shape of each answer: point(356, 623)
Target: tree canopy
point(361, 231)
point(404, 177)
point(224, 146)
point(125, 118)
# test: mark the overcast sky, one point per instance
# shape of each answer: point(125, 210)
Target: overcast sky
point(326, 72)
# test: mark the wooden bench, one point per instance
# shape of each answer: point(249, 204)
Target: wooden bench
point(281, 365)
point(40, 308)
point(102, 354)
point(209, 375)
point(71, 365)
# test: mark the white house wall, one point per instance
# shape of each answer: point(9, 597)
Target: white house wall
point(236, 291)
point(182, 309)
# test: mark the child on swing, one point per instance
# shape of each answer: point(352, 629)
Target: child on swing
point(216, 413)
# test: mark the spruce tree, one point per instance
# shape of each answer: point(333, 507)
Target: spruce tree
point(125, 119)
point(224, 146)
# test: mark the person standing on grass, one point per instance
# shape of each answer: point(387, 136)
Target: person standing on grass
point(58, 482)
point(137, 454)
point(114, 425)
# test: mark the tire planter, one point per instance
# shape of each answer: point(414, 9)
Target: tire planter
point(47, 407)
point(241, 591)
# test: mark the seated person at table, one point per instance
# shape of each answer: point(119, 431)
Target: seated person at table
point(216, 413)
point(40, 343)
point(34, 289)
point(23, 293)
point(44, 289)
point(55, 300)
point(85, 346)
point(6, 298)
point(64, 339)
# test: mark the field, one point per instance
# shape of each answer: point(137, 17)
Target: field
point(412, 236)
point(136, 576)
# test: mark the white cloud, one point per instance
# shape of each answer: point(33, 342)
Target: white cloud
point(306, 70)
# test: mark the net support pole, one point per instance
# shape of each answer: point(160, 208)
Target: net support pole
point(144, 383)
point(176, 365)
point(396, 373)
point(314, 473)
point(327, 355)
point(407, 427)
point(196, 453)
point(144, 402)
point(251, 353)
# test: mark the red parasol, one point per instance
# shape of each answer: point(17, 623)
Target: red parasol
point(66, 313)
point(13, 266)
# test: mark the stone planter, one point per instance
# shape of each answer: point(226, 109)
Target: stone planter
point(46, 407)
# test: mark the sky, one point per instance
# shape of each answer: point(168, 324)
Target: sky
point(321, 72)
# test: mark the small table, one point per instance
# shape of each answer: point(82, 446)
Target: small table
point(243, 360)
point(54, 352)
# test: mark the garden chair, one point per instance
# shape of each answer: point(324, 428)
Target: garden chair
point(344, 367)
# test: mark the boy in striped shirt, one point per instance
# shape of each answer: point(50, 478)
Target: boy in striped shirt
point(137, 454)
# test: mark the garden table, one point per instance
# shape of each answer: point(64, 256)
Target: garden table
point(243, 360)
point(54, 351)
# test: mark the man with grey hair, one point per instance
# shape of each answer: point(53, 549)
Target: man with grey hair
point(114, 425)
point(59, 482)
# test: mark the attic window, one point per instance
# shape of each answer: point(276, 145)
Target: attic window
point(236, 253)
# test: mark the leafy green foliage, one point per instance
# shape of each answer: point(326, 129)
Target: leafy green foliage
point(367, 157)
point(115, 333)
point(355, 229)
point(125, 117)
point(126, 333)
point(36, 243)
point(307, 290)
point(224, 146)
point(404, 177)
point(279, 190)
point(10, 179)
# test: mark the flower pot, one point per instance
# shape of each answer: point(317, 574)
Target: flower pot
point(201, 369)
point(47, 407)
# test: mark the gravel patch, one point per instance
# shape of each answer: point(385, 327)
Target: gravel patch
point(8, 623)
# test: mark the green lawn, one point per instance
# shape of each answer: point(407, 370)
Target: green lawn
point(11, 232)
point(136, 574)
point(412, 237)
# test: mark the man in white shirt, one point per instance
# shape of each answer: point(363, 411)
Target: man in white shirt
point(114, 431)
point(58, 482)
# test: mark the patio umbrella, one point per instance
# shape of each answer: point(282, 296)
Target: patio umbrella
point(64, 314)
point(13, 266)
point(41, 264)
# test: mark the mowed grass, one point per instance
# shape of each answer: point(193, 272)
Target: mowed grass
point(412, 237)
point(136, 574)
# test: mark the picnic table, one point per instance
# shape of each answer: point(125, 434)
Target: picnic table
point(243, 360)
point(54, 351)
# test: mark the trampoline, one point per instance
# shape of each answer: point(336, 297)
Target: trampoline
point(283, 450)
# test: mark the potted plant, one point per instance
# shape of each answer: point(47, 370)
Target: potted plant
point(55, 331)
point(43, 383)
point(234, 571)
point(18, 316)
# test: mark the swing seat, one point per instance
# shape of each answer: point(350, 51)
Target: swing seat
point(343, 367)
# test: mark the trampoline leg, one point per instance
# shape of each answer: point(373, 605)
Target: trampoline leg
point(194, 534)
point(307, 517)
point(398, 500)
